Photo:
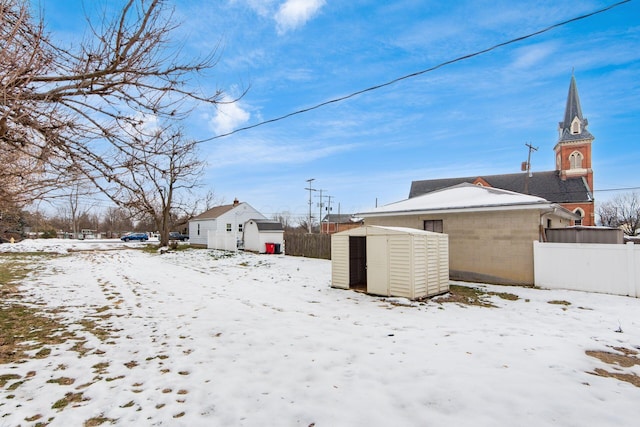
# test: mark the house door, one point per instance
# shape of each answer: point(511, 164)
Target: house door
point(357, 262)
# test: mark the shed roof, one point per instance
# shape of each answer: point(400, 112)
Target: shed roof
point(383, 230)
point(466, 197)
point(268, 225)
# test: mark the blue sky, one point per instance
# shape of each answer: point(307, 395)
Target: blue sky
point(473, 117)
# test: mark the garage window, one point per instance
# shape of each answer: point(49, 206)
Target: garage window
point(434, 225)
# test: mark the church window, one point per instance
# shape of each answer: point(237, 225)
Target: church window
point(575, 126)
point(575, 160)
point(579, 212)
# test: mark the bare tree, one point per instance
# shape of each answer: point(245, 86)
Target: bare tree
point(608, 214)
point(285, 218)
point(61, 108)
point(116, 220)
point(153, 178)
point(628, 206)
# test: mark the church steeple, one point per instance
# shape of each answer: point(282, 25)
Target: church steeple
point(573, 149)
point(574, 125)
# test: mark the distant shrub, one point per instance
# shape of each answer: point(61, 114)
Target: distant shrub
point(49, 234)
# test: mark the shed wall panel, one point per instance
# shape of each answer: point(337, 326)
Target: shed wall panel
point(400, 264)
point(420, 266)
point(340, 261)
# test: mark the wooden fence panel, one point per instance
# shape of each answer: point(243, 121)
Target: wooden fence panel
point(308, 245)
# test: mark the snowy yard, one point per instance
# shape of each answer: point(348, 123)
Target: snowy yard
point(196, 338)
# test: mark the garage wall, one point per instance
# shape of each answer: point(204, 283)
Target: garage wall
point(493, 247)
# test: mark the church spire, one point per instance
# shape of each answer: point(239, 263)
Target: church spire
point(574, 125)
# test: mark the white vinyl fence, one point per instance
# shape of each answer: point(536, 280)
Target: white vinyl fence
point(225, 241)
point(604, 268)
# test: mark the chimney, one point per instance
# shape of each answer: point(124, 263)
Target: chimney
point(236, 202)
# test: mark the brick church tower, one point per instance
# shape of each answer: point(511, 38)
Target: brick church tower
point(573, 152)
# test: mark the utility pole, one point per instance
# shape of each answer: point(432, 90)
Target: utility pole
point(527, 166)
point(328, 211)
point(320, 205)
point(310, 180)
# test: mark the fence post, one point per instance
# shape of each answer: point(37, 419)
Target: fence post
point(632, 281)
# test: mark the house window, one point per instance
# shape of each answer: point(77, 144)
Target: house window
point(239, 228)
point(575, 160)
point(198, 229)
point(229, 226)
point(434, 225)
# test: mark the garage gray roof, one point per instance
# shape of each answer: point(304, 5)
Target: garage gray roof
point(547, 185)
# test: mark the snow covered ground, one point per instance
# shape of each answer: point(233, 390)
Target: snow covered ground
point(200, 339)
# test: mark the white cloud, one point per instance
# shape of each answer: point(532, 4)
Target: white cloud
point(229, 117)
point(295, 13)
point(261, 152)
point(531, 56)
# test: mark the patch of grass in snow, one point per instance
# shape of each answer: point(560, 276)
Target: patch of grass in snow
point(91, 326)
point(34, 418)
point(62, 381)
point(100, 368)
point(558, 302)
point(469, 295)
point(505, 295)
point(24, 329)
point(218, 254)
point(68, 399)
point(466, 295)
point(8, 377)
point(98, 421)
point(14, 267)
point(622, 358)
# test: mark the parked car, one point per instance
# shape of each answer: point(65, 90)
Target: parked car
point(135, 236)
point(175, 235)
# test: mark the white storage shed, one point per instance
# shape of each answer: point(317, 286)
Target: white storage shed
point(263, 236)
point(391, 261)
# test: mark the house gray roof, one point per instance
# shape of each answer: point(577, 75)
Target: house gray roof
point(268, 225)
point(215, 212)
point(340, 218)
point(548, 185)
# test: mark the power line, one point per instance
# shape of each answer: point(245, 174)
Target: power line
point(418, 73)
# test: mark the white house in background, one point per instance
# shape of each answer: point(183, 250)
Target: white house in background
point(258, 233)
point(221, 227)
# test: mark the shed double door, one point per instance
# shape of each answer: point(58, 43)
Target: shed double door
point(377, 265)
